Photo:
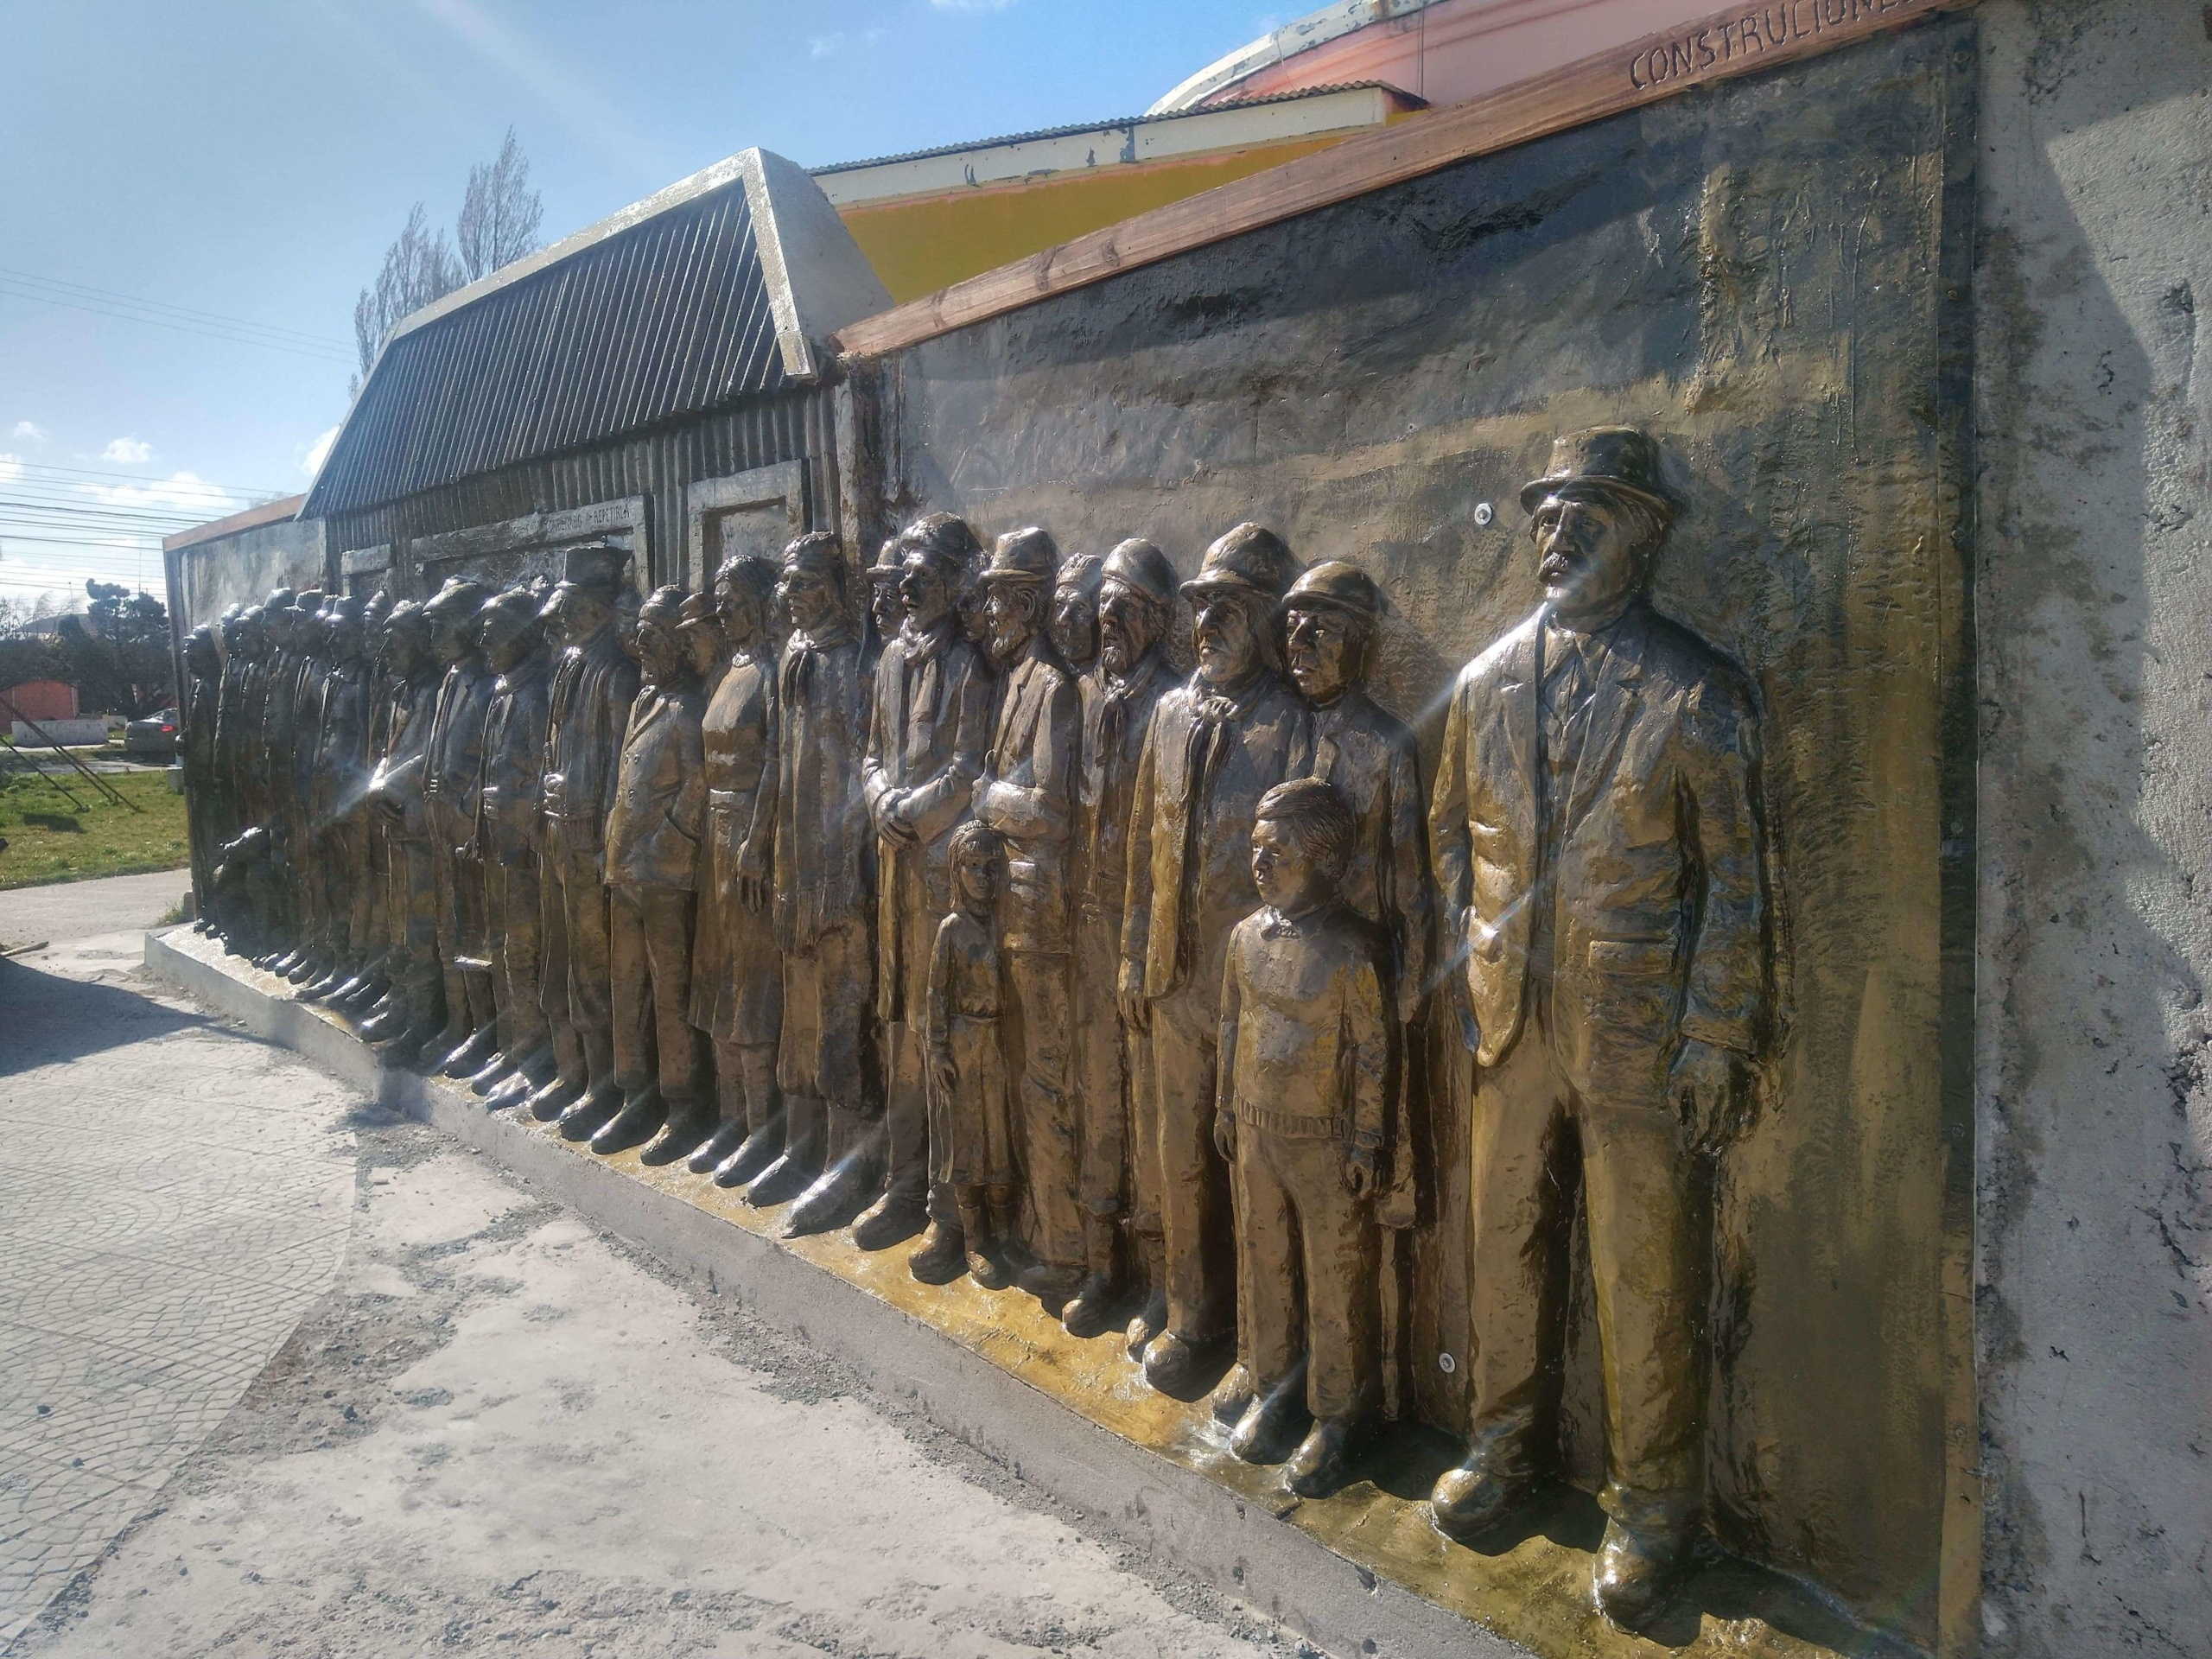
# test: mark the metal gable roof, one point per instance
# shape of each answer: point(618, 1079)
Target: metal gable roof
point(669, 309)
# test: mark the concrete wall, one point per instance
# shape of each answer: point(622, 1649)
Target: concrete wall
point(239, 568)
point(2095, 624)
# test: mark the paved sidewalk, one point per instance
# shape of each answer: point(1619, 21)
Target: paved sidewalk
point(172, 1200)
point(281, 1373)
point(60, 912)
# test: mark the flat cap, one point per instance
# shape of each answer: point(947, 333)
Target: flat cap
point(1251, 559)
point(1137, 564)
point(1027, 554)
point(1340, 585)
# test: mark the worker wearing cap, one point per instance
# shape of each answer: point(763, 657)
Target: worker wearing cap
point(588, 710)
point(1217, 744)
point(1027, 793)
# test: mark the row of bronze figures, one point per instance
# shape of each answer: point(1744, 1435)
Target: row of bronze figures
point(1006, 934)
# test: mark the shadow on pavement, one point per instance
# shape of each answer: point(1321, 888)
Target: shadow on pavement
point(47, 1017)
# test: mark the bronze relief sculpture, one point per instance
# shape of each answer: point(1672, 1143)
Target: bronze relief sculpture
point(964, 1039)
point(595, 681)
point(653, 831)
point(1600, 858)
point(508, 809)
point(928, 727)
point(1217, 744)
point(1027, 793)
point(453, 771)
point(737, 978)
point(824, 862)
point(1112, 1082)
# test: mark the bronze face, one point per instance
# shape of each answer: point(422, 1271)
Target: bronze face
point(887, 603)
point(660, 653)
point(1592, 552)
point(1226, 632)
point(976, 867)
point(508, 634)
point(1129, 626)
point(1324, 646)
point(1285, 873)
point(1075, 624)
point(810, 596)
point(925, 591)
point(1009, 619)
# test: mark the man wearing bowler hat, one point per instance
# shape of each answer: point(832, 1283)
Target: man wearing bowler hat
point(1027, 794)
point(1599, 853)
point(587, 714)
point(1217, 744)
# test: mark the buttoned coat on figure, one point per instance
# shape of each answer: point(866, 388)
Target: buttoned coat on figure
point(1027, 794)
point(653, 832)
point(588, 711)
point(1599, 850)
point(414, 1013)
point(1217, 744)
point(1111, 1081)
point(509, 830)
point(737, 977)
point(825, 889)
point(963, 1019)
point(452, 772)
point(928, 727)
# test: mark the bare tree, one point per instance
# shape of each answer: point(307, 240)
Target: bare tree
point(499, 212)
point(418, 268)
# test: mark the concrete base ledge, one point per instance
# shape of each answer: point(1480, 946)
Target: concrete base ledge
point(1358, 1574)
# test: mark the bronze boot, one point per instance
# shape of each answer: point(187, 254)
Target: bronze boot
point(943, 1257)
point(1090, 1312)
point(985, 1264)
point(687, 1127)
point(642, 1114)
point(1152, 1319)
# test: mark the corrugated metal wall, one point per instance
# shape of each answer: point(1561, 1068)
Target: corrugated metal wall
point(656, 464)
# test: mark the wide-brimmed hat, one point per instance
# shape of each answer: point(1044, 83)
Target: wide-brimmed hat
point(1623, 458)
point(1250, 559)
point(594, 566)
point(1081, 571)
point(1340, 586)
point(1138, 565)
point(890, 561)
point(1027, 554)
point(664, 604)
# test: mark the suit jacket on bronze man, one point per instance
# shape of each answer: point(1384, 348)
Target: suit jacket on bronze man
point(514, 750)
point(1650, 861)
point(1208, 758)
point(588, 713)
point(1029, 797)
point(660, 793)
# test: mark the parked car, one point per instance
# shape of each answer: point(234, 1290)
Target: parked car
point(154, 738)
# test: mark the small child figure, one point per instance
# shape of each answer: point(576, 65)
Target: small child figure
point(971, 1133)
point(248, 888)
point(1303, 1118)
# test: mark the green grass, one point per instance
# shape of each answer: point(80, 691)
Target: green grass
point(49, 840)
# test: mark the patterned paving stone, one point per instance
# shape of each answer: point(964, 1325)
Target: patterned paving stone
point(172, 1201)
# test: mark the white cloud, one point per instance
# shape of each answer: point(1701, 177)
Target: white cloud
point(27, 432)
point(318, 452)
point(184, 492)
point(971, 5)
point(131, 452)
point(833, 44)
point(12, 468)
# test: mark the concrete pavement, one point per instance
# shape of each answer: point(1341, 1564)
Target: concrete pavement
point(316, 1380)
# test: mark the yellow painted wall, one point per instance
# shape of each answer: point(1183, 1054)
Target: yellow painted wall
point(923, 244)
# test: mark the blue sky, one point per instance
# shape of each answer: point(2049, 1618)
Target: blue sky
point(251, 159)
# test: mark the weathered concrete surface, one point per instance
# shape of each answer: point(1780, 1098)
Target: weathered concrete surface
point(502, 1430)
point(64, 911)
point(2094, 612)
point(173, 1197)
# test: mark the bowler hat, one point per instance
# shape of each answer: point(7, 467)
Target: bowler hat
point(1340, 586)
point(890, 561)
point(1140, 566)
point(1080, 571)
point(1027, 554)
point(1618, 458)
point(944, 535)
point(593, 564)
point(1250, 559)
point(664, 604)
point(698, 610)
point(459, 597)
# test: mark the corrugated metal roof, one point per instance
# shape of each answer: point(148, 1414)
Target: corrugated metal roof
point(1121, 121)
point(668, 317)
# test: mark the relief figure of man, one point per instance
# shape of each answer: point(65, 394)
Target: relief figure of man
point(1119, 1183)
point(452, 772)
point(928, 725)
point(824, 864)
point(1027, 793)
point(588, 711)
point(1601, 858)
point(1217, 744)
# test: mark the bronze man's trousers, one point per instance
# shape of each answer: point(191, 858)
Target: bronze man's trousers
point(1193, 1183)
point(517, 910)
point(650, 945)
point(577, 993)
point(1298, 1231)
point(1040, 991)
point(1113, 1089)
point(1647, 1232)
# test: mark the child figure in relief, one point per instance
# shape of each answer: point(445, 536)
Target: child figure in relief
point(968, 1107)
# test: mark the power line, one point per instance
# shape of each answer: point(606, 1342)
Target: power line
point(228, 338)
point(140, 478)
point(88, 288)
point(59, 510)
